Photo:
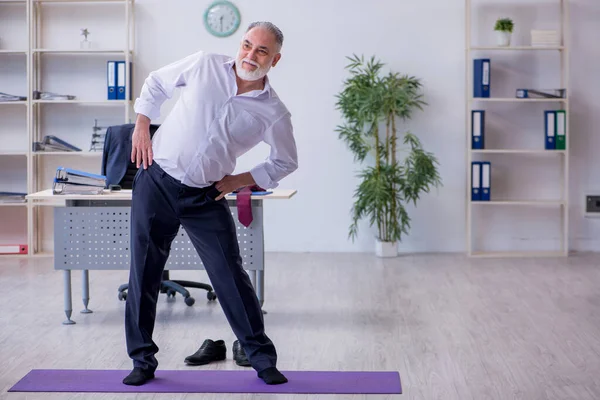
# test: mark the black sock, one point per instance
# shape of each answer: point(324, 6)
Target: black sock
point(138, 377)
point(272, 376)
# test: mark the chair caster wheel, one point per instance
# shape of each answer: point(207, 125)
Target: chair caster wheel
point(211, 296)
point(170, 293)
point(190, 301)
point(122, 296)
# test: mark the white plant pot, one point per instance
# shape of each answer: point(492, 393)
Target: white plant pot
point(386, 249)
point(503, 38)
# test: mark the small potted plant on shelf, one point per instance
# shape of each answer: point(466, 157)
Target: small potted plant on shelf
point(504, 28)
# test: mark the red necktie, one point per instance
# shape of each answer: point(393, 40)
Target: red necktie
point(244, 206)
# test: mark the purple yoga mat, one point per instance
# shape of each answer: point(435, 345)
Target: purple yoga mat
point(209, 381)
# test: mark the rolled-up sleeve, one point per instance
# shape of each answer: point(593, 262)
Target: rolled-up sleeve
point(283, 157)
point(160, 84)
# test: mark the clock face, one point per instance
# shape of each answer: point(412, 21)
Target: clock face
point(222, 18)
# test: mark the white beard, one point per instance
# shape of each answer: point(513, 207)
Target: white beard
point(246, 75)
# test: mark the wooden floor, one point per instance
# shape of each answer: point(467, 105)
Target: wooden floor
point(455, 328)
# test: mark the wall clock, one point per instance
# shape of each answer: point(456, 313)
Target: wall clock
point(222, 18)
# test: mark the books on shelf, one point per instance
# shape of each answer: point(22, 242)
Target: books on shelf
point(72, 181)
point(541, 38)
point(555, 129)
point(481, 179)
point(541, 93)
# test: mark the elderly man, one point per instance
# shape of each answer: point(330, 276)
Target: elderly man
point(227, 106)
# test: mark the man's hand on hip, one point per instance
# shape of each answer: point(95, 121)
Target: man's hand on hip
point(232, 182)
point(141, 144)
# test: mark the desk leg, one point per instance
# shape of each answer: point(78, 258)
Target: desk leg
point(252, 274)
point(67, 289)
point(260, 287)
point(85, 289)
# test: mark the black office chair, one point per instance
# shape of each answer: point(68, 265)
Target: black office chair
point(115, 137)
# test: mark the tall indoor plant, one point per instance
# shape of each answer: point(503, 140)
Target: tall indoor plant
point(371, 103)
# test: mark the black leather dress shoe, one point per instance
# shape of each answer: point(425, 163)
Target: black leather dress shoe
point(208, 352)
point(239, 355)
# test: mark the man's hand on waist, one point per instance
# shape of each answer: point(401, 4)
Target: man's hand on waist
point(141, 144)
point(232, 182)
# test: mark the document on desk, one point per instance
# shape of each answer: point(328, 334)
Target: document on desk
point(59, 187)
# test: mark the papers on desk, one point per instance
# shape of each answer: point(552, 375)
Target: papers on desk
point(72, 181)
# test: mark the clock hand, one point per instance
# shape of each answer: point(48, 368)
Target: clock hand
point(221, 20)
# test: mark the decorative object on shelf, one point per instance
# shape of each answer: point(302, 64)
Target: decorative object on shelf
point(545, 38)
point(367, 99)
point(98, 136)
point(222, 18)
point(504, 28)
point(85, 43)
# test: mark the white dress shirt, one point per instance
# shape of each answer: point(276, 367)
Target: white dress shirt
point(210, 126)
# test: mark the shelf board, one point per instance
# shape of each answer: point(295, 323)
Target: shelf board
point(16, 204)
point(81, 1)
point(8, 51)
point(517, 151)
point(12, 153)
point(80, 51)
point(69, 153)
point(520, 48)
point(22, 102)
point(84, 102)
point(519, 202)
point(517, 100)
point(520, 254)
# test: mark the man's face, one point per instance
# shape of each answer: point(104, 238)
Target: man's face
point(257, 54)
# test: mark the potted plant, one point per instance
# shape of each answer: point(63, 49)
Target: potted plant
point(371, 103)
point(504, 28)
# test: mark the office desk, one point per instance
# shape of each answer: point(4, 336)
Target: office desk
point(91, 232)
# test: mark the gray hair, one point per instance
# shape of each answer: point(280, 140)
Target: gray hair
point(271, 28)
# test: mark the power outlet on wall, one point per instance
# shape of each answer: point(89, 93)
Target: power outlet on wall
point(592, 206)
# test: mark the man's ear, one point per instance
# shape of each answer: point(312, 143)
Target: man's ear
point(276, 59)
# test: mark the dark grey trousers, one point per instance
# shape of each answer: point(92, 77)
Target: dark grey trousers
point(160, 204)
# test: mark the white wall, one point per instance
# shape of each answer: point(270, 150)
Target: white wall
point(424, 39)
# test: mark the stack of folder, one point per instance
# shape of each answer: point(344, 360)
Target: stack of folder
point(52, 143)
point(555, 130)
point(72, 181)
point(12, 197)
point(481, 180)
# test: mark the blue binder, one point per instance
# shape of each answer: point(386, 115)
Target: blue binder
point(486, 180)
point(122, 82)
point(481, 77)
point(111, 80)
point(478, 129)
point(475, 180)
point(550, 130)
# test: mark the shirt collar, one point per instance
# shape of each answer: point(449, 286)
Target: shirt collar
point(267, 89)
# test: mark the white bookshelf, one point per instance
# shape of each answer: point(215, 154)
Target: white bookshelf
point(14, 132)
point(44, 35)
point(497, 202)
